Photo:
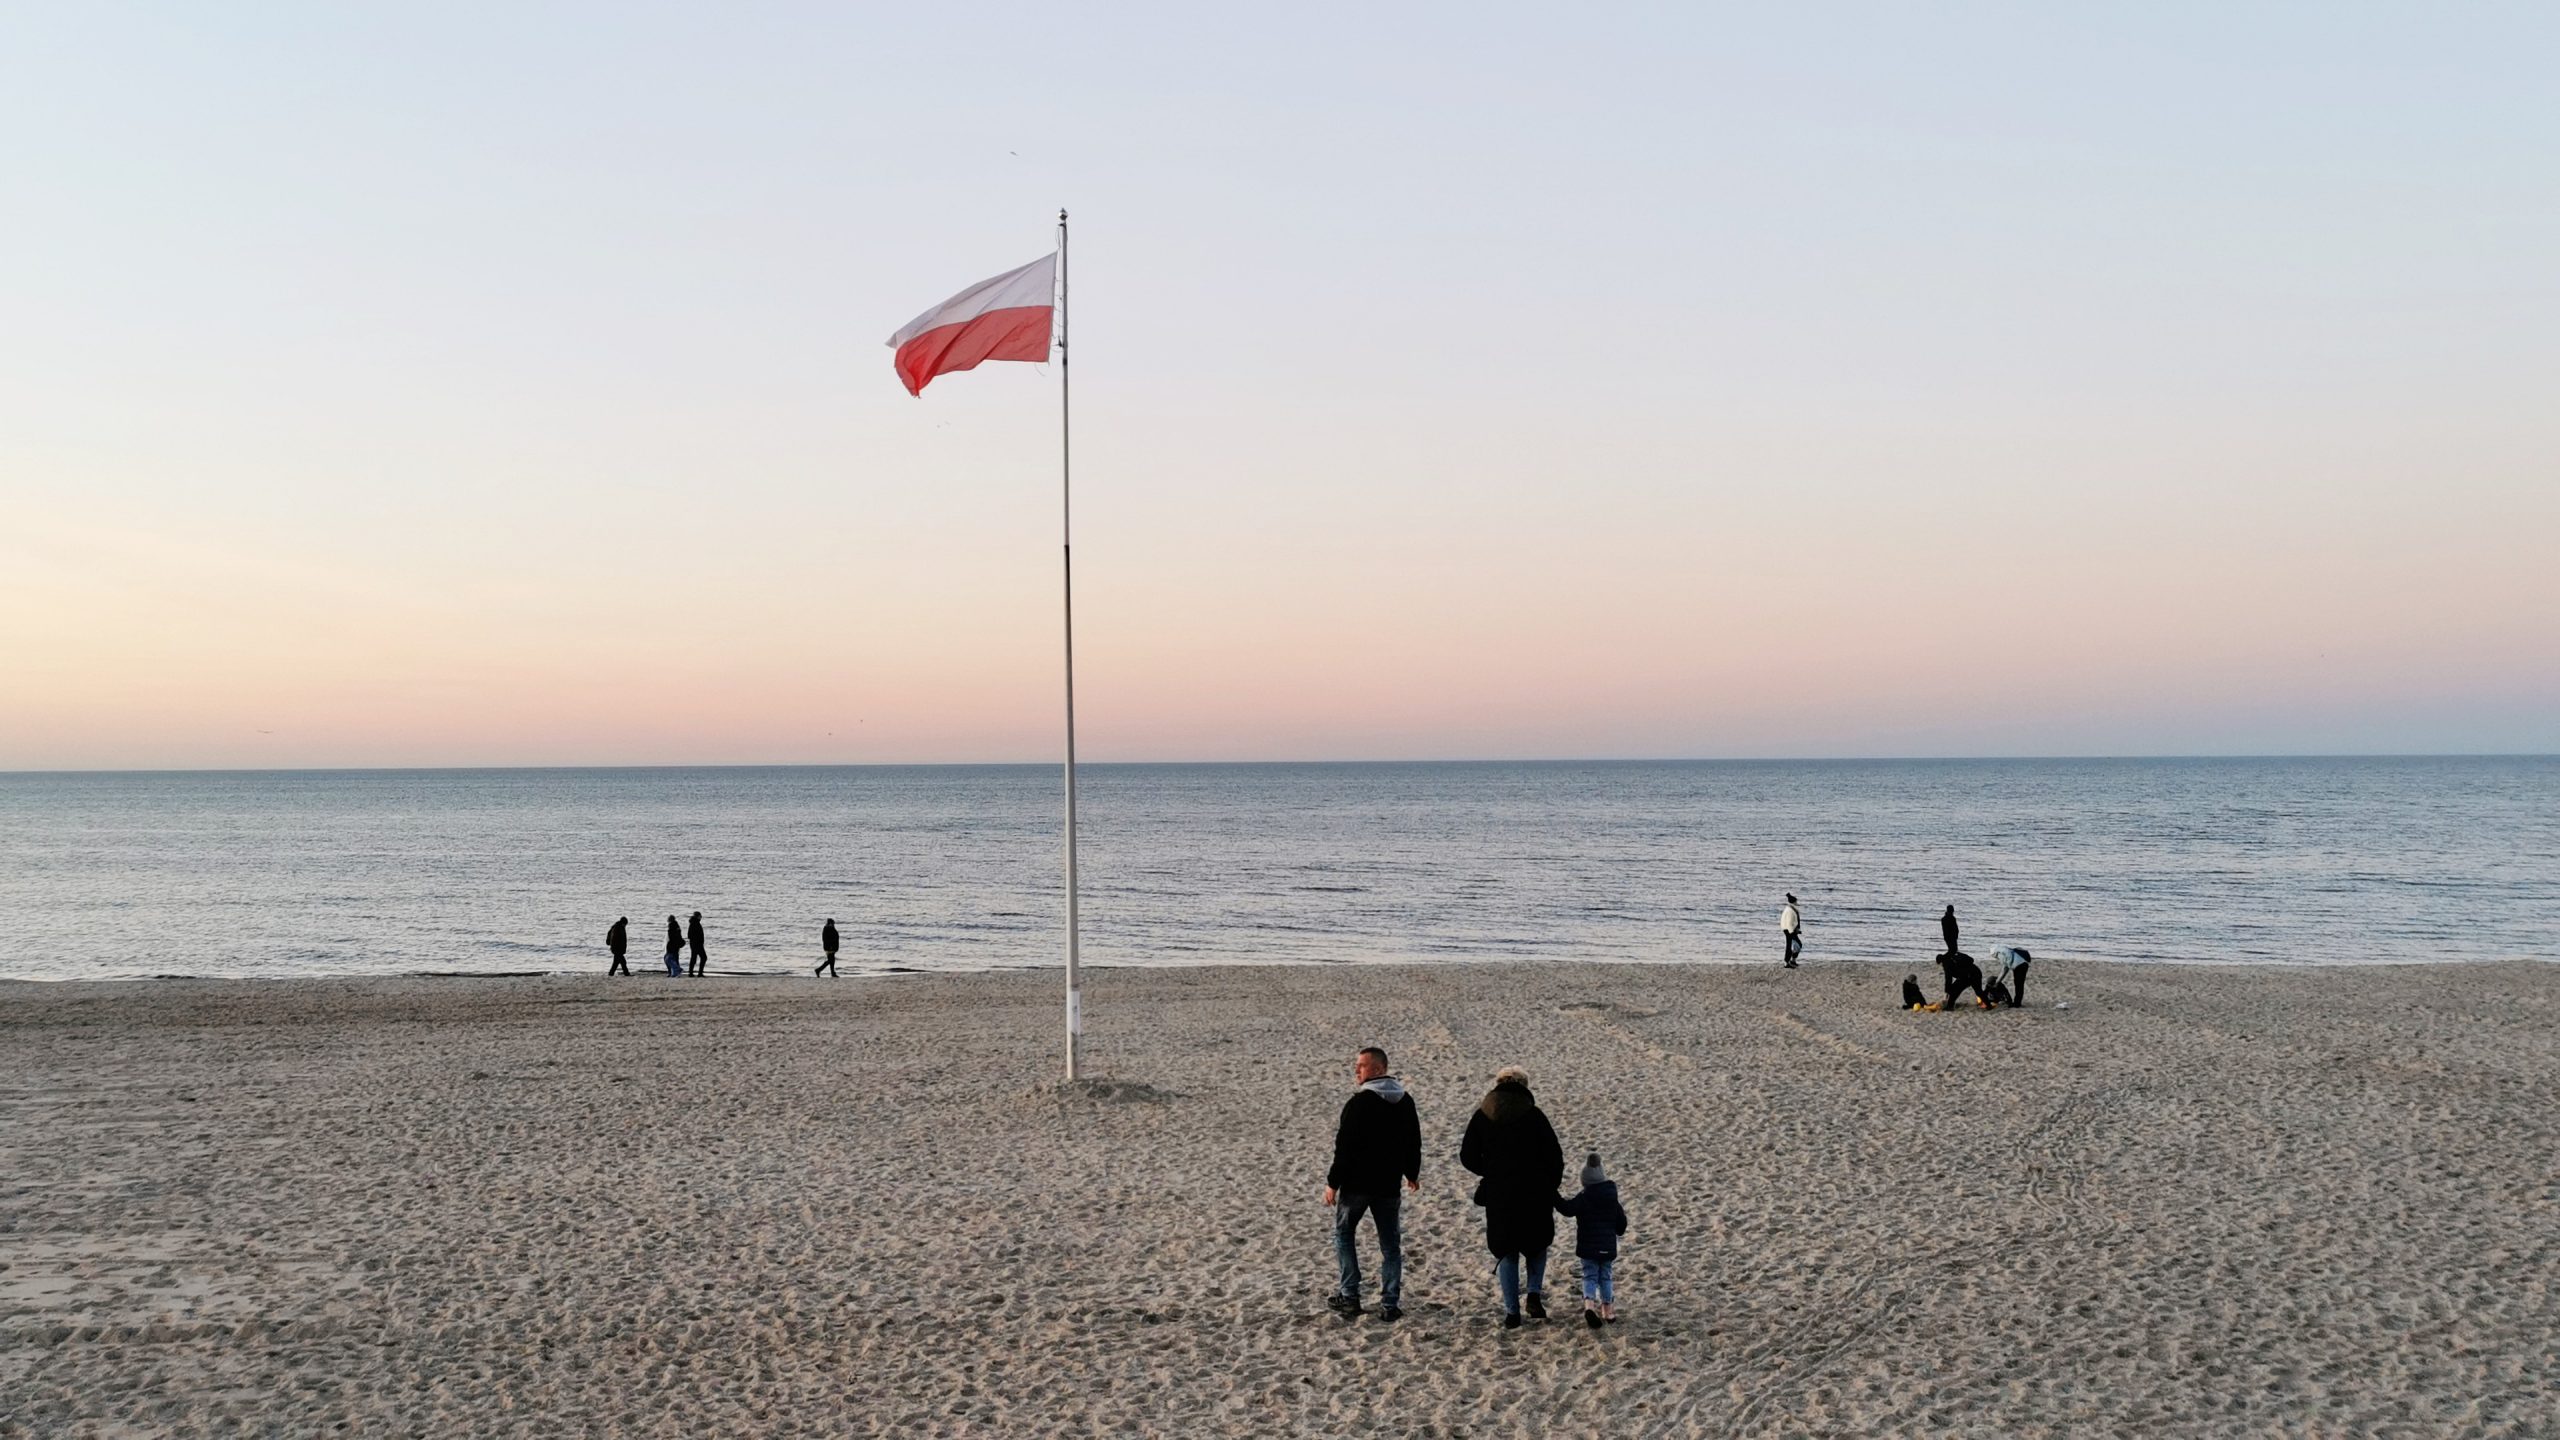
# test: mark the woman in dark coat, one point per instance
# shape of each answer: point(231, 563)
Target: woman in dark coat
point(1511, 1145)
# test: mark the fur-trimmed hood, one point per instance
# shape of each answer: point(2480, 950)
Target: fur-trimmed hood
point(1507, 1101)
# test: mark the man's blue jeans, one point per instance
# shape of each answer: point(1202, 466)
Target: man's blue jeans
point(1383, 1211)
point(1506, 1273)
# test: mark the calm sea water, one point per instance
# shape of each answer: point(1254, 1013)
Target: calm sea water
point(2303, 861)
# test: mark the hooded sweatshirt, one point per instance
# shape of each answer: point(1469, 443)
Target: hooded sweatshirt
point(1379, 1140)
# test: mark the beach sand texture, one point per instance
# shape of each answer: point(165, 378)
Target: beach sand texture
point(2198, 1202)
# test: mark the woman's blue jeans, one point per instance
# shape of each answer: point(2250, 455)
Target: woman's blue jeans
point(1506, 1273)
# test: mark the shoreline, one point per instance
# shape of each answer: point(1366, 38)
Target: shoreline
point(2048, 960)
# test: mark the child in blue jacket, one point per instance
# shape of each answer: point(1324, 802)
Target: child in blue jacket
point(1598, 1221)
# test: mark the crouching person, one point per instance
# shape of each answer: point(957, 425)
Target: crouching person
point(2014, 961)
point(1962, 975)
point(1377, 1143)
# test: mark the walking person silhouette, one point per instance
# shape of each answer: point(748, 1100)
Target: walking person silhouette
point(617, 939)
point(693, 942)
point(1511, 1143)
point(1947, 927)
point(827, 942)
point(675, 947)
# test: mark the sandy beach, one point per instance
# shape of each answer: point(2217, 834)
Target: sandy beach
point(2197, 1201)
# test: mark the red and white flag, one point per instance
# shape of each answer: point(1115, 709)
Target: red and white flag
point(1006, 318)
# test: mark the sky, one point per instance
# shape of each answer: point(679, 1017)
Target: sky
point(506, 384)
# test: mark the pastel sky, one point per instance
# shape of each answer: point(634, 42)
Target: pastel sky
point(504, 384)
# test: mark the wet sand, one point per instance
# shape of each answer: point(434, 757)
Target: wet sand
point(2196, 1202)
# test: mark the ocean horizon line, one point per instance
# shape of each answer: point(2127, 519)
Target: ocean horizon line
point(1451, 761)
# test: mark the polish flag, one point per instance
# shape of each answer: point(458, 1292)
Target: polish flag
point(1006, 318)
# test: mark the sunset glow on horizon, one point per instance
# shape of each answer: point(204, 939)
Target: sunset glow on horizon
point(470, 388)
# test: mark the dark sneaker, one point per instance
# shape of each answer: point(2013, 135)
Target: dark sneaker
point(1592, 1319)
point(1390, 1312)
point(1537, 1307)
point(1345, 1306)
point(1510, 1322)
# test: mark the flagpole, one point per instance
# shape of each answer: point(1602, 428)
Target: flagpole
point(1067, 574)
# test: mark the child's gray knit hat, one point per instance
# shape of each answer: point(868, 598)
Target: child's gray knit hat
point(1591, 1173)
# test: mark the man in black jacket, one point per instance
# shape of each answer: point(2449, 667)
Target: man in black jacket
point(1378, 1142)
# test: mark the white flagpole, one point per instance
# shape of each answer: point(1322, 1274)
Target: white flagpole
point(1067, 572)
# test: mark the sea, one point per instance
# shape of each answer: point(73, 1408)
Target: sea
point(931, 868)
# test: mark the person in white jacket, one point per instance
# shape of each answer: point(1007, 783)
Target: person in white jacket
point(2014, 960)
point(1791, 925)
